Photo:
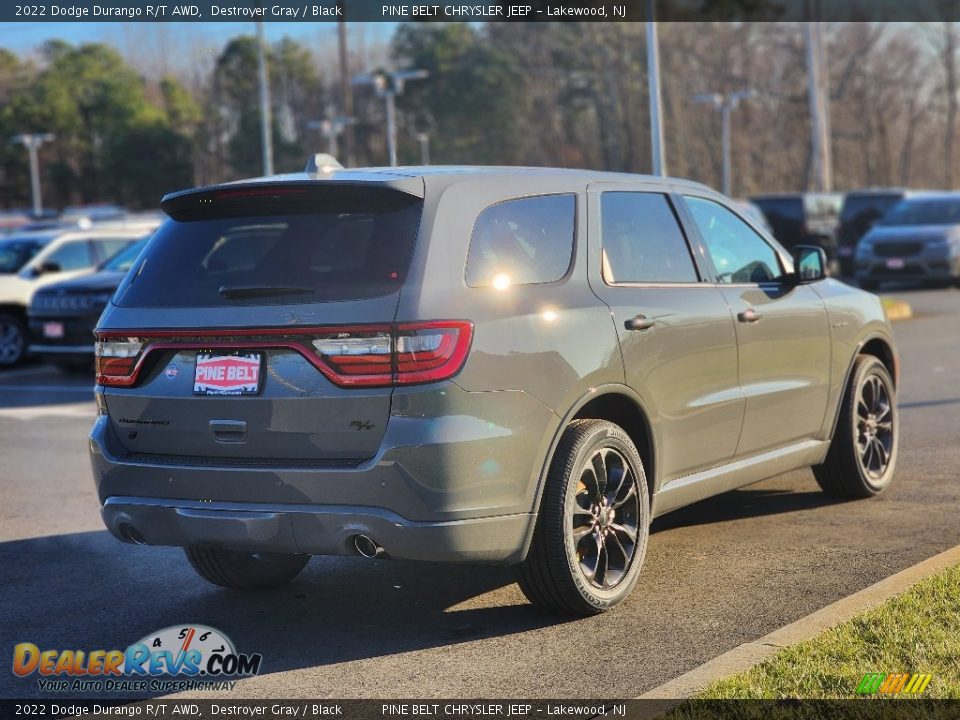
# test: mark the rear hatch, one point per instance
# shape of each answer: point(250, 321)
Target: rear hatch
point(257, 326)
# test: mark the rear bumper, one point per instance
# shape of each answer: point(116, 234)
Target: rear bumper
point(316, 530)
point(444, 485)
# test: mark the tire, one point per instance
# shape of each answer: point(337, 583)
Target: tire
point(868, 285)
point(863, 453)
point(557, 571)
point(13, 340)
point(245, 570)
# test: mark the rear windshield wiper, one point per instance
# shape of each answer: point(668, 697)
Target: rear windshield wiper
point(255, 291)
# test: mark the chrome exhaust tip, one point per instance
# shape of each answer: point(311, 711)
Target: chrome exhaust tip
point(367, 547)
point(132, 535)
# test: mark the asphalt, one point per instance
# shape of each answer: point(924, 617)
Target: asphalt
point(719, 573)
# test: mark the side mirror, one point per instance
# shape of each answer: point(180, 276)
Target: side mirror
point(48, 267)
point(809, 263)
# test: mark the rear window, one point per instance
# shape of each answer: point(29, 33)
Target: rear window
point(282, 245)
point(522, 242)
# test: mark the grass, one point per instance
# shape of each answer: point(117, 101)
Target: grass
point(918, 631)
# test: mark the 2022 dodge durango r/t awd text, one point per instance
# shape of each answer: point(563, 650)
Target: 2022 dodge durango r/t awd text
point(514, 366)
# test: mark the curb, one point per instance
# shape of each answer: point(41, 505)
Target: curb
point(745, 656)
point(897, 309)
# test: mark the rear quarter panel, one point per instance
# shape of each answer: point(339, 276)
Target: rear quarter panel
point(550, 343)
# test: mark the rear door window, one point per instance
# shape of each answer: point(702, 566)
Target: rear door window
point(304, 245)
point(642, 241)
point(522, 242)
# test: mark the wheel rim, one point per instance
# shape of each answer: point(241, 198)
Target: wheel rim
point(874, 426)
point(605, 520)
point(11, 342)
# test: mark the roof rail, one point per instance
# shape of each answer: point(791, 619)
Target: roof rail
point(322, 163)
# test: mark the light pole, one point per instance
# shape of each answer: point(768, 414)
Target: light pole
point(331, 128)
point(32, 142)
point(266, 136)
point(388, 84)
point(726, 104)
point(653, 83)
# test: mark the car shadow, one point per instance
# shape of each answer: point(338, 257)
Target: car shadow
point(742, 504)
point(88, 591)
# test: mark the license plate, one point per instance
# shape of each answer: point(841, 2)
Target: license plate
point(895, 264)
point(53, 329)
point(237, 374)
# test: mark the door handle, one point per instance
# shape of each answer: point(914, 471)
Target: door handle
point(640, 322)
point(749, 316)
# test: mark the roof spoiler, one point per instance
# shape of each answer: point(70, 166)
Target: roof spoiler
point(322, 164)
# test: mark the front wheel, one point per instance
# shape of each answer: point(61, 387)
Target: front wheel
point(245, 570)
point(13, 340)
point(863, 453)
point(591, 533)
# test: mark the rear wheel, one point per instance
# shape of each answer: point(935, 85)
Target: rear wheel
point(591, 534)
point(245, 570)
point(13, 340)
point(863, 454)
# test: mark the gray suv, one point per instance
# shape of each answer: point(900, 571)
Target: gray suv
point(494, 365)
point(916, 240)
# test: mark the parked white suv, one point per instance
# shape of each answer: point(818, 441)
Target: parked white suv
point(69, 254)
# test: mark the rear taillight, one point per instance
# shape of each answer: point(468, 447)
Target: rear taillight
point(358, 356)
point(117, 360)
point(405, 354)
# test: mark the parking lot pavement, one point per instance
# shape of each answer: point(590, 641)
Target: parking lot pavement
point(718, 573)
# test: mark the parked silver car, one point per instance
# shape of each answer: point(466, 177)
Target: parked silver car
point(917, 240)
point(498, 365)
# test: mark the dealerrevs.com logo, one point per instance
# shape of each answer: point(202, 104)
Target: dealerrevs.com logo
point(177, 658)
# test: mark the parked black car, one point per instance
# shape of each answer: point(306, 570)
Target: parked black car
point(62, 317)
point(803, 219)
point(861, 209)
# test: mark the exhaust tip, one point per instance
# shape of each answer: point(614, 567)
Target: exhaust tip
point(367, 547)
point(132, 535)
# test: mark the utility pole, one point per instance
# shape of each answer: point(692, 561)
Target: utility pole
point(346, 91)
point(653, 84)
point(266, 134)
point(388, 84)
point(726, 104)
point(821, 165)
point(32, 142)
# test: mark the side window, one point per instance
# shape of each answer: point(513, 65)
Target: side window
point(109, 248)
point(642, 241)
point(739, 254)
point(523, 241)
point(72, 256)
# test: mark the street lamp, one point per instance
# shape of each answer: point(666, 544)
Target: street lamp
point(388, 84)
point(331, 129)
point(32, 142)
point(725, 103)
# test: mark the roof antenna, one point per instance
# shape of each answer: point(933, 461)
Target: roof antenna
point(322, 163)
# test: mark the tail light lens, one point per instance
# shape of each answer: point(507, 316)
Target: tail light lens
point(362, 356)
point(117, 360)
